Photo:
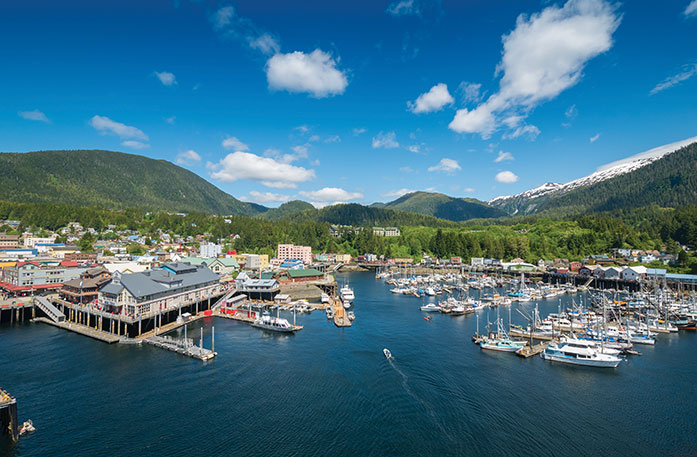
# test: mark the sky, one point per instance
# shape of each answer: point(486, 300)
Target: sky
point(360, 101)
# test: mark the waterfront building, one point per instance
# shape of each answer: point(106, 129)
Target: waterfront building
point(162, 288)
point(634, 273)
point(289, 251)
point(9, 241)
point(85, 289)
point(224, 265)
point(26, 277)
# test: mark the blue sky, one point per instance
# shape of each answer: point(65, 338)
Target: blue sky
point(353, 101)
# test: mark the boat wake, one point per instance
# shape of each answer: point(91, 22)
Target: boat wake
point(429, 409)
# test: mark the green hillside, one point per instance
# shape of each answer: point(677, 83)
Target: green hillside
point(359, 215)
point(286, 210)
point(444, 207)
point(112, 180)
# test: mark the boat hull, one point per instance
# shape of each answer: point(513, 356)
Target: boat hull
point(581, 362)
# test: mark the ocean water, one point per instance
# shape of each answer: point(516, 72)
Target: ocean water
point(327, 391)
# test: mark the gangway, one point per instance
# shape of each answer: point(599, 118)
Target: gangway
point(51, 311)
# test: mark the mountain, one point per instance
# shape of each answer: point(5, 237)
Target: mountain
point(359, 215)
point(545, 196)
point(443, 206)
point(112, 180)
point(287, 209)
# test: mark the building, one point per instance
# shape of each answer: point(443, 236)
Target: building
point(210, 250)
point(82, 257)
point(292, 264)
point(612, 272)
point(656, 274)
point(162, 288)
point(85, 289)
point(9, 241)
point(477, 261)
point(26, 277)
point(224, 266)
point(305, 275)
point(289, 251)
point(30, 241)
point(342, 258)
point(634, 273)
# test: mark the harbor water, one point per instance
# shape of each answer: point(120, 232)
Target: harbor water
point(327, 391)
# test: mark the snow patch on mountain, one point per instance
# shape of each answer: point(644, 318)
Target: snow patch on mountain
point(602, 173)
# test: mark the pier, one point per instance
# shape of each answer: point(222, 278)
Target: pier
point(340, 315)
point(529, 351)
point(8, 416)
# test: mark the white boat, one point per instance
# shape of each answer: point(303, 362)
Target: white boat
point(388, 354)
point(275, 324)
point(579, 355)
point(595, 345)
point(430, 308)
point(347, 296)
point(27, 427)
point(325, 298)
point(351, 315)
point(330, 313)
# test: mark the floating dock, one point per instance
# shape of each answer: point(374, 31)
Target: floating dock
point(82, 330)
point(8, 416)
point(529, 351)
point(184, 346)
point(340, 315)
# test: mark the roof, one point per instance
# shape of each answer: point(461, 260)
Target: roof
point(228, 262)
point(168, 279)
point(304, 273)
point(656, 271)
point(681, 276)
point(197, 260)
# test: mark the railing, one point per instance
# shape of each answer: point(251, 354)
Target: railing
point(51, 311)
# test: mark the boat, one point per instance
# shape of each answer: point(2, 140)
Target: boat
point(351, 315)
point(274, 324)
point(569, 353)
point(430, 308)
point(27, 427)
point(388, 354)
point(324, 298)
point(330, 313)
point(347, 296)
point(500, 341)
point(427, 318)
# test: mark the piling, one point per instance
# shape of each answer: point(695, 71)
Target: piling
point(8, 416)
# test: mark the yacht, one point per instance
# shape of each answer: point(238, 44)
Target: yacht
point(275, 324)
point(430, 308)
point(346, 294)
point(577, 354)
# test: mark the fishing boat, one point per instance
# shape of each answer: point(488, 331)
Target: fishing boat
point(274, 324)
point(565, 352)
point(500, 341)
point(27, 427)
point(430, 308)
point(347, 296)
point(388, 354)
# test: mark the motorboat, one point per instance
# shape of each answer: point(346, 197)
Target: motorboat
point(351, 315)
point(388, 354)
point(274, 324)
point(430, 308)
point(347, 296)
point(27, 427)
point(330, 313)
point(324, 298)
point(565, 352)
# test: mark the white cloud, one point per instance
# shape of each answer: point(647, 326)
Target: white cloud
point(313, 73)
point(503, 156)
point(571, 112)
point(397, 193)
point(414, 148)
point(134, 144)
point(468, 190)
point(406, 169)
point(333, 195)
point(34, 115)
point(471, 92)
point(223, 17)
point(265, 197)
point(691, 9)
point(385, 140)
point(594, 138)
point(359, 131)
point(105, 125)
point(403, 8)
point(543, 56)
point(506, 177)
point(530, 130)
point(170, 120)
point(314, 139)
point(234, 144)
point(688, 72)
point(433, 100)
point(265, 43)
point(446, 165)
point(188, 157)
point(302, 129)
point(333, 139)
point(271, 173)
point(166, 78)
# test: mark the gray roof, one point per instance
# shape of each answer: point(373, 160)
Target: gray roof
point(162, 281)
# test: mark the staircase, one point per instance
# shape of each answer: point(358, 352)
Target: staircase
point(223, 299)
point(47, 307)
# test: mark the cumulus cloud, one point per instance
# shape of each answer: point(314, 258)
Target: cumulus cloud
point(687, 72)
point(265, 197)
point(433, 100)
point(446, 165)
point(34, 115)
point(543, 55)
point(333, 195)
point(594, 138)
point(270, 172)
point(414, 148)
point(314, 139)
point(105, 125)
point(265, 43)
point(385, 140)
point(471, 92)
point(188, 157)
point(397, 193)
point(503, 156)
point(506, 177)
point(691, 9)
point(134, 144)
point(166, 78)
point(315, 73)
point(234, 144)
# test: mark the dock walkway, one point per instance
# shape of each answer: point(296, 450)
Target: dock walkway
point(184, 347)
point(340, 316)
point(528, 351)
point(82, 330)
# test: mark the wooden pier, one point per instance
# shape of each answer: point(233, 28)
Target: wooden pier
point(8, 416)
point(529, 351)
point(82, 330)
point(340, 315)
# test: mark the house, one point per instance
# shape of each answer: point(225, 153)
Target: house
point(612, 272)
point(656, 274)
point(85, 289)
point(601, 259)
point(166, 287)
point(224, 266)
point(305, 275)
point(634, 273)
point(575, 266)
point(477, 261)
point(342, 258)
point(647, 258)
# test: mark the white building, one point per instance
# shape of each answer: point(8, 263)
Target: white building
point(31, 241)
point(289, 251)
point(634, 273)
point(210, 250)
point(477, 261)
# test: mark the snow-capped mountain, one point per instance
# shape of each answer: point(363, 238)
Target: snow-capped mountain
point(525, 201)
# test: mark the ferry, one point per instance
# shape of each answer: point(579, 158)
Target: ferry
point(274, 324)
point(579, 354)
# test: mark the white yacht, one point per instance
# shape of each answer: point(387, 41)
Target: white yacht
point(346, 294)
point(430, 308)
point(579, 354)
point(325, 298)
point(275, 324)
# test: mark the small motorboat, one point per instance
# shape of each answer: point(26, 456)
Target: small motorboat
point(427, 318)
point(27, 427)
point(388, 354)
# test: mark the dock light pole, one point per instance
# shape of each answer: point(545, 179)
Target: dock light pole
point(201, 342)
point(213, 337)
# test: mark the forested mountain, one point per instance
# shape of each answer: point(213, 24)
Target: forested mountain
point(287, 209)
point(442, 206)
point(112, 180)
point(668, 181)
point(359, 215)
